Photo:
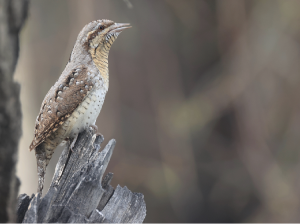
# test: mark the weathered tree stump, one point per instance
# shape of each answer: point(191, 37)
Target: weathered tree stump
point(78, 193)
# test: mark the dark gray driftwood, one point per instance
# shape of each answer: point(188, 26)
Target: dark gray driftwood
point(78, 193)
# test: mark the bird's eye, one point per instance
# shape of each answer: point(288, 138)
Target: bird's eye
point(101, 27)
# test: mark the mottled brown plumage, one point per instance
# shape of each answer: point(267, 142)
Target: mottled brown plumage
point(54, 110)
point(75, 100)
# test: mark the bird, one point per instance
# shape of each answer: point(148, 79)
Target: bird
point(74, 102)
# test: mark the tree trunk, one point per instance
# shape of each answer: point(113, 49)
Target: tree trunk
point(12, 16)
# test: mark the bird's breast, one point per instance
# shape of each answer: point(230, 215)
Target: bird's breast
point(86, 113)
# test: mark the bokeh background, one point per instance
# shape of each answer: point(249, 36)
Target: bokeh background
point(203, 102)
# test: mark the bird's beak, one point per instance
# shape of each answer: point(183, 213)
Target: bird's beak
point(117, 28)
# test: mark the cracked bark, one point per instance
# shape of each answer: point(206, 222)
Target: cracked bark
point(78, 193)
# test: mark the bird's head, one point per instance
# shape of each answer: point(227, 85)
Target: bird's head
point(100, 34)
point(97, 36)
point(104, 33)
point(94, 41)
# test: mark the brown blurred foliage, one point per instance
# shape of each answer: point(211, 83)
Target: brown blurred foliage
point(203, 102)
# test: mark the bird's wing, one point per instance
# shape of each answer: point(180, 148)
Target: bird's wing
point(60, 102)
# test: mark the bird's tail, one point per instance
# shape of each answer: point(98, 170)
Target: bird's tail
point(43, 154)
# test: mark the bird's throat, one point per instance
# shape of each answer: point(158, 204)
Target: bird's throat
point(100, 58)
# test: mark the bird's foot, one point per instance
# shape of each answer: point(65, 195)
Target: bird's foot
point(73, 142)
point(94, 127)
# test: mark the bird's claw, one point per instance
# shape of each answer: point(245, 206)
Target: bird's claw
point(94, 127)
point(73, 142)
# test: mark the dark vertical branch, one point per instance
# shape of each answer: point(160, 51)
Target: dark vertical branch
point(12, 16)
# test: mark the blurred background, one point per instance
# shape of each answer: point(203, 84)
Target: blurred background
point(203, 102)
